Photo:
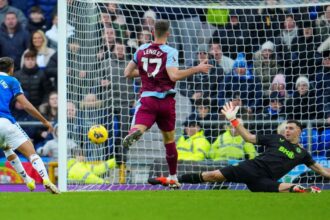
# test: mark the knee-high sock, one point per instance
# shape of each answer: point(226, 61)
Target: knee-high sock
point(17, 165)
point(39, 166)
point(171, 157)
point(193, 178)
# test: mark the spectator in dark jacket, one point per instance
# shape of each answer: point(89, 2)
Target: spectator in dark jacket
point(51, 70)
point(209, 121)
point(234, 37)
point(241, 80)
point(13, 39)
point(304, 53)
point(5, 8)
point(322, 86)
point(36, 20)
point(302, 105)
point(34, 81)
point(49, 109)
point(47, 6)
point(274, 111)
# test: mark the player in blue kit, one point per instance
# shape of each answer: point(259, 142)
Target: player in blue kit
point(12, 136)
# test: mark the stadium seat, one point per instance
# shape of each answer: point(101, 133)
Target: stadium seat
point(317, 149)
point(325, 141)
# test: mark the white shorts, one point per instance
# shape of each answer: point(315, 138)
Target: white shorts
point(11, 135)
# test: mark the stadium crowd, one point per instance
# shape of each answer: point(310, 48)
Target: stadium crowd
point(272, 62)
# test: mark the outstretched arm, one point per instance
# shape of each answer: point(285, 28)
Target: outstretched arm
point(175, 74)
point(29, 108)
point(131, 71)
point(230, 112)
point(321, 170)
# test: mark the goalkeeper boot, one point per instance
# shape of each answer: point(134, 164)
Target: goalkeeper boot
point(173, 184)
point(50, 187)
point(132, 137)
point(313, 189)
point(301, 189)
point(31, 185)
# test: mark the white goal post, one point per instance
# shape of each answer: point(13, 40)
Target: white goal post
point(279, 45)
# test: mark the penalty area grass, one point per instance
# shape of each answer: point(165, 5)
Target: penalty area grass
point(156, 205)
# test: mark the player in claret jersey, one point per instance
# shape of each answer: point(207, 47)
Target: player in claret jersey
point(157, 65)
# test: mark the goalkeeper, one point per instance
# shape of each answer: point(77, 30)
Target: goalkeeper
point(261, 174)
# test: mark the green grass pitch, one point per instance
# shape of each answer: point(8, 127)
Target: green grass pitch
point(156, 205)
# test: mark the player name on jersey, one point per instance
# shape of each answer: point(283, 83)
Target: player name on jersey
point(152, 52)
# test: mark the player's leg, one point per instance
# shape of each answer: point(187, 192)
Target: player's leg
point(296, 188)
point(15, 162)
point(27, 149)
point(144, 117)
point(166, 122)
point(202, 177)
point(171, 157)
point(16, 138)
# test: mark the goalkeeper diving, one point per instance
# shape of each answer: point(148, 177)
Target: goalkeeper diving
point(262, 173)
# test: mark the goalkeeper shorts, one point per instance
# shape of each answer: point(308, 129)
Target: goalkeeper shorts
point(256, 179)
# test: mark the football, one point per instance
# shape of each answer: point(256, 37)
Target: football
point(98, 134)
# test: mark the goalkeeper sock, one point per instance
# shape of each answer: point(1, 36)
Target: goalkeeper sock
point(39, 166)
point(171, 157)
point(193, 178)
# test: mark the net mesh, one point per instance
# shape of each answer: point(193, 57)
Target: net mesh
point(269, 58)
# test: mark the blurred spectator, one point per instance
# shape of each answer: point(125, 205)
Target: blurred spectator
point(38, 43)
point(279, 85)
point(323, 24)
point(302, 105)
point(230, 145)
point(91, 108)
point(50, 149)
point(203, 113)
point(5, 8)
point(144, 37)
point(14, 39)
point(185, 31)
point(192, 145)
point(52, 33)
point(109, 38)
point(218, 17)
point(267, 21)
point(191, 87)
point(118, 21)
point(36, 20)
point(266, 66)
point(47, 6)
point(50, 108)
point(225, 62)
point(304, 53)
point(33, 80)
point(322, 86)
point(233, 37)
point(275, 110)
point(283, 41)
point(325, 45)
point(241, 80)
point(148, 21)
point(51, 71)
point(119, 90)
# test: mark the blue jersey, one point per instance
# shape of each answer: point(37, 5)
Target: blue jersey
point(9, 89)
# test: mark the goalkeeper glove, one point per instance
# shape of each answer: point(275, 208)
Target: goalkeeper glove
point(230, 112)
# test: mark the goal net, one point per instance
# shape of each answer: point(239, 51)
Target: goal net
point(270, 58)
